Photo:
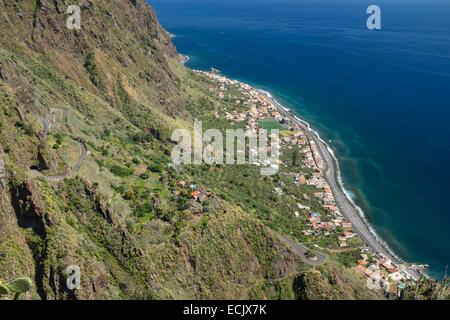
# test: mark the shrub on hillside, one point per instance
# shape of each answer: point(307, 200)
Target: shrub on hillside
point(121, 171)
point(144, 176)
point(155, 168)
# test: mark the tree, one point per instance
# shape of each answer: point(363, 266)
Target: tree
point(294, 158)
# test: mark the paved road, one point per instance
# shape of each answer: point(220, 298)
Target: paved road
point(83, 156)
point(83, 149)
point(301, 250)
point(71, 172)
point(348, 209)
point(331, 175)
point(64, 120)
point(46, 127)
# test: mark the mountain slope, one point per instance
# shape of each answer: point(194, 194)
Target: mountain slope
point(85, 122)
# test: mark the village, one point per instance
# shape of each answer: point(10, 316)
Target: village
point(381, 273)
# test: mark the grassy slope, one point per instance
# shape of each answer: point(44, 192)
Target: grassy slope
point(133, 235)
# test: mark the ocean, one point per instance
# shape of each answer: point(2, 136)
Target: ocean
point(380, 97)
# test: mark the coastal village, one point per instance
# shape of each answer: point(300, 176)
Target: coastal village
point(258, 106)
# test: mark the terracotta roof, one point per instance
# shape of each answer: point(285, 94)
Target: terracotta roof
point(362, 262)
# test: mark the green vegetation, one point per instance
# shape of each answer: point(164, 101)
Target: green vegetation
point(121, 171)
point(15, 287)
point(144, 176)
point(93, 71)
point(310, 254)
point(157, 168)
point(269, 124)
point(348, 258)
point(128, 217)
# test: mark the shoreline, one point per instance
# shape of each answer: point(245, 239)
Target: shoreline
point(331, 173)
point(183, 58)
point(335, 166)
point(349, 208)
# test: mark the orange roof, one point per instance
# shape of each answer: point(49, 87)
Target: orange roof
point(195, 193)
point(325, 226)
point(392, 288)
point(364, 270)
point(302, 180)
point(361, 268)
point(362, 262)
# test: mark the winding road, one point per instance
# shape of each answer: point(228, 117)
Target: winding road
point(83, 149)
point(302, 251)
point(46, 127)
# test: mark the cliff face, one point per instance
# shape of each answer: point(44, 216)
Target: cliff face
point(124, 39)
point(85, 118)
point(41, 24)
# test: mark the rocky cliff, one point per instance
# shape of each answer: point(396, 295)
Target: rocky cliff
point(86, 180)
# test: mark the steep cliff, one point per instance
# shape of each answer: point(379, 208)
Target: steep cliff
point(86, 180)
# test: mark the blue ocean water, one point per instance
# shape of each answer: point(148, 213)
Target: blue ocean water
point(381, 97)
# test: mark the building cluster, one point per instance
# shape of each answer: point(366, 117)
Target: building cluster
point(383, 274)
point(259, 106)
point(325, 195)
point(337, 224)
point(256, 108)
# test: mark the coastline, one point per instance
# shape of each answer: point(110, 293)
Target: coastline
point(349, 208)
point(183, 58)
point(327, 153)
point(331, 173)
